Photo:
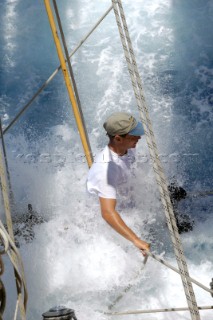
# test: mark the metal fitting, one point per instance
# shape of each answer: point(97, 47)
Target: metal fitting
point(59, 313)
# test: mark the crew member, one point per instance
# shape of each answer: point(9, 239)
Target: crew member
point(108, 177)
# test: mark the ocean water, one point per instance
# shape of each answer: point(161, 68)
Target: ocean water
point(75, 259)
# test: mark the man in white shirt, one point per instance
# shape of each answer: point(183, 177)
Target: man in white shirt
point(108, 177)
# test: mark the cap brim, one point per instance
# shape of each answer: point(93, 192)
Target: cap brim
point(137, 131)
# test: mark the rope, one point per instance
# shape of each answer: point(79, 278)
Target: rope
point(8, 238)
point(167, 264)
point(125, 290)
point(5, 243)
point(157, 310)
point(20, 281)
point(15, 258)
point(11, 196)
point(160, 177)
point(5, 195)
point(44, 85)
point(153, 311)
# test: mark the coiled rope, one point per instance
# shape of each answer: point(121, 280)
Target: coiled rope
point(2, 290)
point(11, 250)
point(10, 247)
point(154, 154)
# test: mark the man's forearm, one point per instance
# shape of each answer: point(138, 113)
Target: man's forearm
point(113, 218)
point(117, 223)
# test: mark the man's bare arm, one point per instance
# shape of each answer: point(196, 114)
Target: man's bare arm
point(113, 218)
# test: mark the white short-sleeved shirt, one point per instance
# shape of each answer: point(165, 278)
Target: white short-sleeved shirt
point(109, 175)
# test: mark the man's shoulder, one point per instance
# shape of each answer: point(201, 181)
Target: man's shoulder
point(100, 163)
point(103, 156)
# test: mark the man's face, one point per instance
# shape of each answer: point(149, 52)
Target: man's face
point(129, 141)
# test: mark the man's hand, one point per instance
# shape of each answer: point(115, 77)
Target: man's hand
point(142, 245)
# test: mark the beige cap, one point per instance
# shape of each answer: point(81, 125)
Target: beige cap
point(120, 123)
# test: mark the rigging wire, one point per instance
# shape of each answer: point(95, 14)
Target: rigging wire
point(158, 169)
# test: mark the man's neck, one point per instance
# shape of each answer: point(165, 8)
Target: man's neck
point(117, 149)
